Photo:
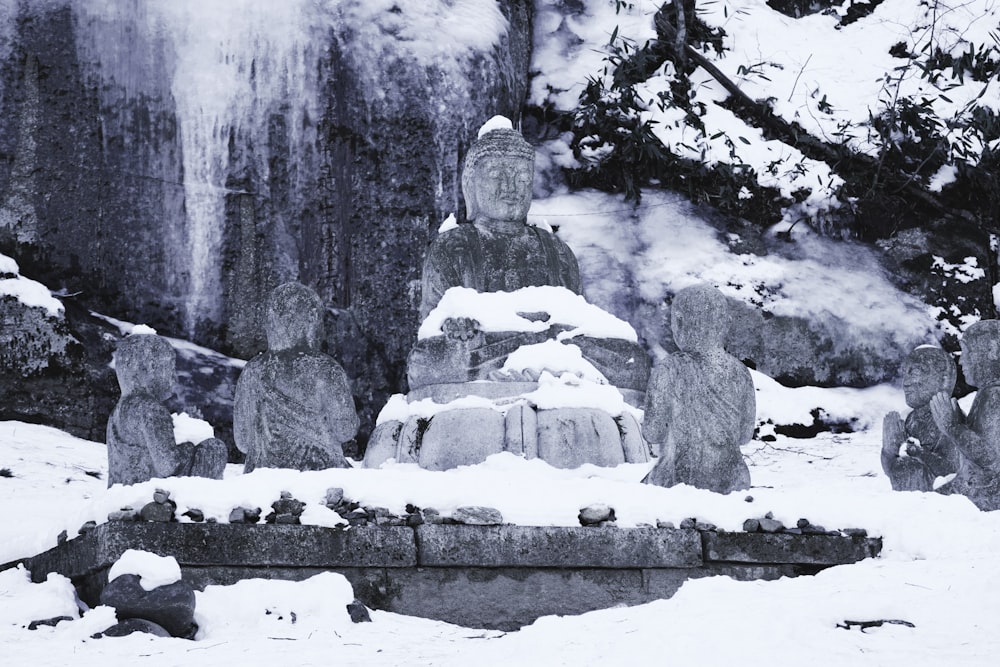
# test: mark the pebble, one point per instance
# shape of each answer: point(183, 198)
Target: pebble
point(593, 515)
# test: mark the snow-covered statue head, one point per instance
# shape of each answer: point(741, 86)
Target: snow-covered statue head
point(499, 169)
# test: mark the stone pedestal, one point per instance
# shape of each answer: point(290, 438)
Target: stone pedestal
point(459, 434)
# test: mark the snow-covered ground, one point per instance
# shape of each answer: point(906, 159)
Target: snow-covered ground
point(937, 570)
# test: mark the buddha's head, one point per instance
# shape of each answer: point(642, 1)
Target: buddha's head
point(498, 175)
point(699, 318)
point(146, 363)
point(294, 318)
point(981, 353)
point(927, 371)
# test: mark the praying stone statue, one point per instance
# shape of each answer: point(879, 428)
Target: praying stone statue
point(492, 376)
point(976, 435)
point(293, 404)
point(914, 452)
point(700, 405)
point(140, 437)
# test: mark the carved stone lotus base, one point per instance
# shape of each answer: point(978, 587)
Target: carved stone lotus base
point(465, 435)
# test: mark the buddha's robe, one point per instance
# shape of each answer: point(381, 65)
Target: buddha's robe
point(507, 259)
point(701, 411)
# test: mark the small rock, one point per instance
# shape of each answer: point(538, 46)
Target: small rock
point(802, 523)
point(62, 537)
point(854, 532)
point(196, 515)
point(170, 606)
point(159, 512)
point(161, 496)
point(415, 519)
point(751, 525)
point(770, 525)
point(665, 524)
point(593, 515)
point(705, 525)
point(814, 530)
point(689, 524)
point(51, 622)
point(334, 496)
point(473, 515)
point(358, 612)
point(124, 514)
point(793, 531)
point(431, 515)
point(87, 527)
point(130, 625)
point(286, 495)
point(769, 515)
point(244, 515)
point(748, 499)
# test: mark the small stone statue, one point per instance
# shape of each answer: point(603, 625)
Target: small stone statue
point(977, 435)
point(293, 403)
point(700, 405)
point(140, 434)
point(914, 452)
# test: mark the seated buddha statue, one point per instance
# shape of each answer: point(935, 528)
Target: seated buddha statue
point(498, 251)
point(510, 357)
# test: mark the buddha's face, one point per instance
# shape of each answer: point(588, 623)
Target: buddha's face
point(921, 380)
point(502, 188)
point(973, 359)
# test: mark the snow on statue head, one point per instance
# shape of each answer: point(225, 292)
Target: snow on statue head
point(499, 169)
point(294, 317)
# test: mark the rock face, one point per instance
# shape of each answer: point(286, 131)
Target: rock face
point(328, 155)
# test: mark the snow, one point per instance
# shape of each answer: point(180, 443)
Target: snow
point(495, 123)
point(29, 292)
point(153, 570)
point(191, 429)
point(503, 311)
point(936, 570)
point(827, 78)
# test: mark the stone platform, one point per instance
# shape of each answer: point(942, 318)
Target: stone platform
point(500, 577)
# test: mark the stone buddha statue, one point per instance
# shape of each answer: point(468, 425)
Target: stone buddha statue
point(914, 452)
point(500, 252)
point(976, 435)
point(700, 405)
point(293, 406)
point(140, 436)
point(481, 376)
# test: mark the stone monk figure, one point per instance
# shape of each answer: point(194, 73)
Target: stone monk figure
point(499, 251)
point(914, 452)
point(976, 435)
point(293, 403)
point(700, 405)
point(140, 435)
